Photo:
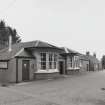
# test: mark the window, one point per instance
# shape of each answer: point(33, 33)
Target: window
point(43, 61)
point(76, 62)
point(71, 62)
point(55, 60)
point(80, 63)
point(50, 60)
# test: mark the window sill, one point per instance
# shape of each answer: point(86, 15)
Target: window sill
point(47, 71)
point(76, 68)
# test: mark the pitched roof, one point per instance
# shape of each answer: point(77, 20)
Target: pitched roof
point(68, 51)
point(93, 59)
point(20, 47)
point(83, 57)
point(38, 44)
point(89, 57)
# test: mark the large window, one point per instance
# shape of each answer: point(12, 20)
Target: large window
point(73, 62)
point(52, 60)
point(43, 61)
point(76, 61)
point(70, 62)
point(48, 60)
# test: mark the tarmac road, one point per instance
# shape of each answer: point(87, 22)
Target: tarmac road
point(86, 89)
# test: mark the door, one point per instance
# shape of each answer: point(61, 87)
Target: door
point(87, 67)
point(61, 67)
point(25, 70)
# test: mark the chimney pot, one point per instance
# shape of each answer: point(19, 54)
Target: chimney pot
point(87, 53)
point(94, 54)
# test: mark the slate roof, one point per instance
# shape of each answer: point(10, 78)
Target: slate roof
point(93, 59)
point(20, 47)
point(89, 58)
point(68, 51)
point(83, 57)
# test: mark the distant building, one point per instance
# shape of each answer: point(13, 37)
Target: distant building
point(84, 62)
point(94, 63)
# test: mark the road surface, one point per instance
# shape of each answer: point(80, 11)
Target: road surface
point(86, 89)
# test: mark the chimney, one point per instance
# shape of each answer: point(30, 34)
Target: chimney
point(94, 54)
point(10, 43)
point(87, 53)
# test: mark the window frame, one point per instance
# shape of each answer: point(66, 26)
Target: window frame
point(43, 60)
point(55, 61)
point(49, 61)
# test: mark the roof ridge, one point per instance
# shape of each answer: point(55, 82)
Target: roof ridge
point(22, 49)
point(48, 44)
point(66, 49)
point(37, 42)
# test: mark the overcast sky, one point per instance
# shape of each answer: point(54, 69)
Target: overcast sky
point(76, 24)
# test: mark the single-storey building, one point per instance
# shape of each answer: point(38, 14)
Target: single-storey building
point(71, 58)
point(29, 61)
point(84, 62)
point(94, 63)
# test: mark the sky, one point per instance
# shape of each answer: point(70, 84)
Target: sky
point(76, 24)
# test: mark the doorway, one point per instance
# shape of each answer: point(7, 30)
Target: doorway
point(87, 67)
point(25, 70)
point(61, 67)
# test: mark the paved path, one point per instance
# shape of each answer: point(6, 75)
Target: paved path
point(74, 90)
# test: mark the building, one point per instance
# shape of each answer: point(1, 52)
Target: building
point(71, 59)
point(29, 61)
point(94, 63)
point(89, 62)
point(38, 60)
point(84, 62)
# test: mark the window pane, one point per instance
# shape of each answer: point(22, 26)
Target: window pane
point(43, 56)
point(50, 65)
point(43, 61)
point(50, 60)
point(54, 65)
point(43, 65)
point(50, 57)
point(55, 57)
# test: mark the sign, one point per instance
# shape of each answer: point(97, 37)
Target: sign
point(3, 65)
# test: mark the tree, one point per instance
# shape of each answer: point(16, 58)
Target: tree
point(5, 31)
point(103, 61)
point(15, 36)
point(2, 24)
